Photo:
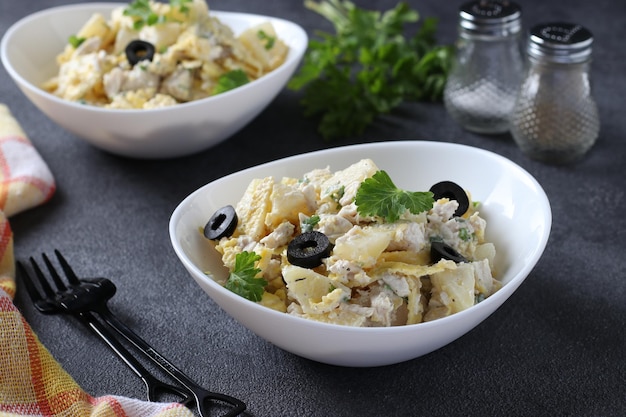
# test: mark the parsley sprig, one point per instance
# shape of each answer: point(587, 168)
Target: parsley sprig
point(230, 80)
point(379, 196)
point(242, 279)
point(368, 67)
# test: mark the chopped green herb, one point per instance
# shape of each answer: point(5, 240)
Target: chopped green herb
point(368, 66)
point(269, 40)
point(309, 224)
point(181, 4)
point(242, 279)
point(75, 41)
point(379, 196)
point(142, 14)
point(230, 80)
point(465, 235)
point(336, 195)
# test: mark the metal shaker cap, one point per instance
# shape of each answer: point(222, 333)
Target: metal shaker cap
point(491, 18)
point(560, 42)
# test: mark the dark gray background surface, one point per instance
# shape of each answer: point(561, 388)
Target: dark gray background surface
point(556, 348)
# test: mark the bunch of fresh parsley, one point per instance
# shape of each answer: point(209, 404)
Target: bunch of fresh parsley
point(369, 66)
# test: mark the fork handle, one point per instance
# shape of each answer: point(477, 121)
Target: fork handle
point(153, 385)
point(144, 347)
point(199, 393)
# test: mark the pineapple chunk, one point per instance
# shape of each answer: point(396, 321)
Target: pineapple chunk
point(262, 43)
point(454, 289)
point(96, 26)
point(362, 245)
point(486, 251)
point(315, 293)
point(287, 202)
point(343, 185)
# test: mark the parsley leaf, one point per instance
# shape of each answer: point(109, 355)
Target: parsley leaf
point(368, 66)
point(76, 41)
point(230, 80)
point(242, 279)
point(309, 223)
point(379, 196)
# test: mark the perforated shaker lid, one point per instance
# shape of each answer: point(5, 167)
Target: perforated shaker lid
point(490, 17)
point(560, 42)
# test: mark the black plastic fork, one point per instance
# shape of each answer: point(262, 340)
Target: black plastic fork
point(83, 297)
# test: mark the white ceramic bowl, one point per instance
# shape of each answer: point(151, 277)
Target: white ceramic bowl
point(518, 221)
point(28, 52)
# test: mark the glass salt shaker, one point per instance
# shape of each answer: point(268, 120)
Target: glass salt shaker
point(555, 118)
point(483, 82)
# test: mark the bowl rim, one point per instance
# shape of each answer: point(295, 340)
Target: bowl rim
point(484, 307)
point(294, 55)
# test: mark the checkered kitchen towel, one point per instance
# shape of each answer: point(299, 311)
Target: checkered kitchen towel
point(32, 383)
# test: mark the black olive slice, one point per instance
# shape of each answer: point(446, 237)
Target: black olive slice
point(137, 51)
point(441, 250)
point(308, 249)
point(451, 191)
point(222, 224)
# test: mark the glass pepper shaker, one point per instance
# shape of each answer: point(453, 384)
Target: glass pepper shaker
point(483, 82)
point(555, 118)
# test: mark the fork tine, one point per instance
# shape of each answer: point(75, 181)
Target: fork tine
point(43, 282)
point(58, 281)
point(31, 289)
point(69, 272)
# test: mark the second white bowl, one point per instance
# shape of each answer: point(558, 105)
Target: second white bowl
point(28, 52)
